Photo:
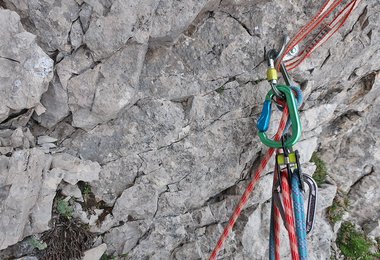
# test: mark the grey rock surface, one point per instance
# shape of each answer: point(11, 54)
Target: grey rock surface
point(50, 20)
point(74, 169)
point(92, 101)
point(25, 68)
point(130, 20)
point(29, 182)
point(20, 184)
point(95, 253)
point(153, 106)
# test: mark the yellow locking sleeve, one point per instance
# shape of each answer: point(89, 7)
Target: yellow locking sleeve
point(292, 158)
point(272, 74)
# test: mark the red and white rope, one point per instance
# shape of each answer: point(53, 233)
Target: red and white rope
point(289, 217)
point(276, 222)
point(317, 31)
point(249, 189)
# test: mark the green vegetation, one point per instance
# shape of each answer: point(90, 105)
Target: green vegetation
point(113, 257)
point(64, 208)
point(336, 210)
point(36, 243)
point(354, 244)
point(321, 172)
point(220, 90)
point(86, 191)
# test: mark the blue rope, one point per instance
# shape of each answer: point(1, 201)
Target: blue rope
point(299, 213)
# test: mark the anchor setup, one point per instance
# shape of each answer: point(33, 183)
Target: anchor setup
point(288, 179)
point(290, 183)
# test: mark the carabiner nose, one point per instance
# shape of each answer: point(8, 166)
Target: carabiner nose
point(264, 120)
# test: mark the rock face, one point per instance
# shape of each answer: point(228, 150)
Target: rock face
point(152, 107)
point(25, 70)
point(29, 180)
point(89, 96)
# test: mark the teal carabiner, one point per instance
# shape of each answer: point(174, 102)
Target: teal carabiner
point(264, 120)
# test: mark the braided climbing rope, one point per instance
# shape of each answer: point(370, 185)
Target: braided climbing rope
point(299, 213)
point(249, 189)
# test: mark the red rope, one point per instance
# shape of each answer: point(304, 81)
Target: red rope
point(249, 189)
point(289, 217)
point(326, 30)
point(276, 220)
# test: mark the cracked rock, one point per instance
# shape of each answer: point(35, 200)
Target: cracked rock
point(137, 202)
point(25, 69)
point(50, 20)
point(21, 182)
point(74, 169)
point(129, 20)
point(121, 240)
point(167, 95)
point(92, 101)
point(115, 177)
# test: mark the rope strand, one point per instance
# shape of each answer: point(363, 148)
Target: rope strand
point(244, 198)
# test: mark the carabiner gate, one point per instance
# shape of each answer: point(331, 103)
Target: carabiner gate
point(264, 120)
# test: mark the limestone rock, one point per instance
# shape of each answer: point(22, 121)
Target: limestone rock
point(90, 98)
point(46, 139)
point(55, 102)
point(51, 21)
point(73, 65)
point(152, 245)
point(95, 253)
point(363, 200)
point(21, 182)
point(100, 7)
point(306, 148)
point(40, 215)
point(167, 27)
point(256, 228)
point(129, 20)
point(69, 190)
point(74, 169)
point(122, 239)
point(136, 202)
point(320, 239)
point(326, 195)
point(115, 177)
point(76, 34)
point(20, 138)
point(25, 68)
point(85, 15)
point(28, 258)
point(148, 125)
point(21, 120)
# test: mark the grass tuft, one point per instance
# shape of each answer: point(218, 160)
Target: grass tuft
point(354, 244)
point(320, 173)
point(339, 206)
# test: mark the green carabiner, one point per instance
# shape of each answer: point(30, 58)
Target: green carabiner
point(263, 122)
